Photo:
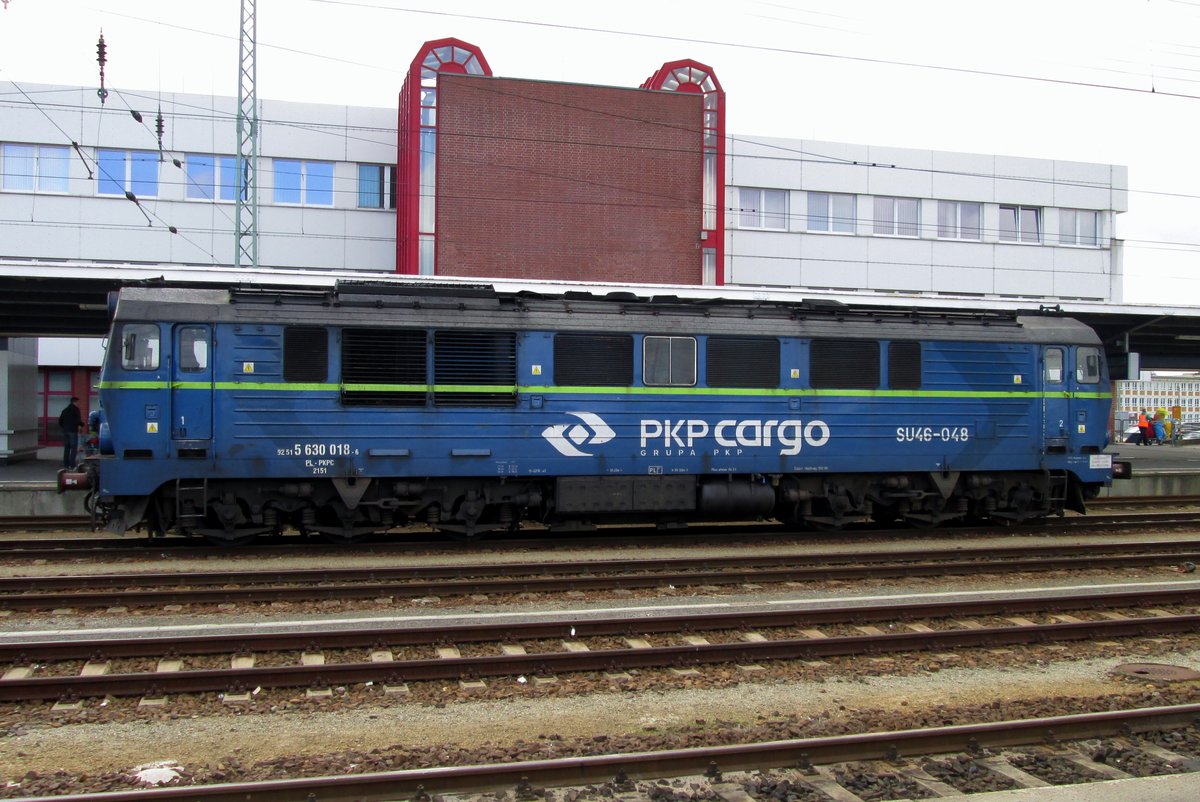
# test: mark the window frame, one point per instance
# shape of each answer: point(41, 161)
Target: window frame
point(956, 228)
point(191, 336)
point(145, 338)
point(1048, 369)
point(671, 340)
point(889, 224)
point(757, 216)
point(1082, 352)
point(1018, 232)
point(306, 193)
point(132, 180)
point(831, 224)
point(386, 180)
point(1073, 237)
point(219, 189)
point(38, 181)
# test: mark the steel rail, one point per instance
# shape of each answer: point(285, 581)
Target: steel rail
point(396, 672)
point(28, 592)
point(577, 626)
point(133, 546)
point(592, 769)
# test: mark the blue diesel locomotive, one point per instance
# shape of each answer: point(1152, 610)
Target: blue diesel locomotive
point(232, 413)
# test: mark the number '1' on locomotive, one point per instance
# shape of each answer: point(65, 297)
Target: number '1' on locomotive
point(232, 413)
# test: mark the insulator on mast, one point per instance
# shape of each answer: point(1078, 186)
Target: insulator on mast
point(102, 59)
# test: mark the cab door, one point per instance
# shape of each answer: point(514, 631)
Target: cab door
point(191, 383)
point(1056, 400)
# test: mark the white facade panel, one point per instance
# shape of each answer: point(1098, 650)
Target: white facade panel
point(1078, 185)
point(1025, 270)
point(902, 172)
point(760, 271)
point(963, 176)
point(1080, 285)
point(960, 280)
point(834, 275)
point(1029, 182)
point(900, 264)
point(834, 167)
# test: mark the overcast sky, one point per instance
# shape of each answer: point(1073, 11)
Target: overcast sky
point(1111, 81)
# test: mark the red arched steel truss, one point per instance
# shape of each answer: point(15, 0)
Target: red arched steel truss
point(696, 78)
point(417, 157)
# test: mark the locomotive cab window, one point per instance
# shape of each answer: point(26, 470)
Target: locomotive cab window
point(844, 364)
point(669, 361)
point(139, 346)
point(1087, 365)
point(193, 349)
point(1054, 365)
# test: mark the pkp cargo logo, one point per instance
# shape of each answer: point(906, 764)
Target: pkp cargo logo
point(567, 437)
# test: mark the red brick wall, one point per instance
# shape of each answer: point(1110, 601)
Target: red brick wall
point(570, 182)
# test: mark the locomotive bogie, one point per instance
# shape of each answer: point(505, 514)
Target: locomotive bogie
point(233, 414)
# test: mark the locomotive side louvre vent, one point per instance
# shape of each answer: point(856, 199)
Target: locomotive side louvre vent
point(475, 368)
point(904, 365)
point(844, 364)
point(593, 360)
point(743, 362)
point(384, 368)
point(305, 354)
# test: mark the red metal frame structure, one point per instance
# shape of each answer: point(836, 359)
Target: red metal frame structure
point(417, 157)
point(691, 76)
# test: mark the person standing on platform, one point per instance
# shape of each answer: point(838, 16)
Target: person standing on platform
point(1144, 429)
point(71, 423)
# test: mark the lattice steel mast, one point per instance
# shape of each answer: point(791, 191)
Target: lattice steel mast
point(246, 244)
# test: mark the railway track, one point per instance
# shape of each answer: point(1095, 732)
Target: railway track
point(619, 644)
point(144, 589)
point(76, 547)
point(803, 768)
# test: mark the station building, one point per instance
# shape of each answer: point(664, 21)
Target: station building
point(482, 176)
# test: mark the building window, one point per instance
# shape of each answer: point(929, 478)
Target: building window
point(669, 361)
point(1078, 227)
point(897, 217)
point(958, 220)
point(211, 177)
point(376, 186)
point(34, 168)
point(830, 212)
point(1020, 224)
point(763, 208)
point(121, 171)
point(304, 183)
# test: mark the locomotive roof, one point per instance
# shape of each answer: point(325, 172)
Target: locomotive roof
point(371, 305)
